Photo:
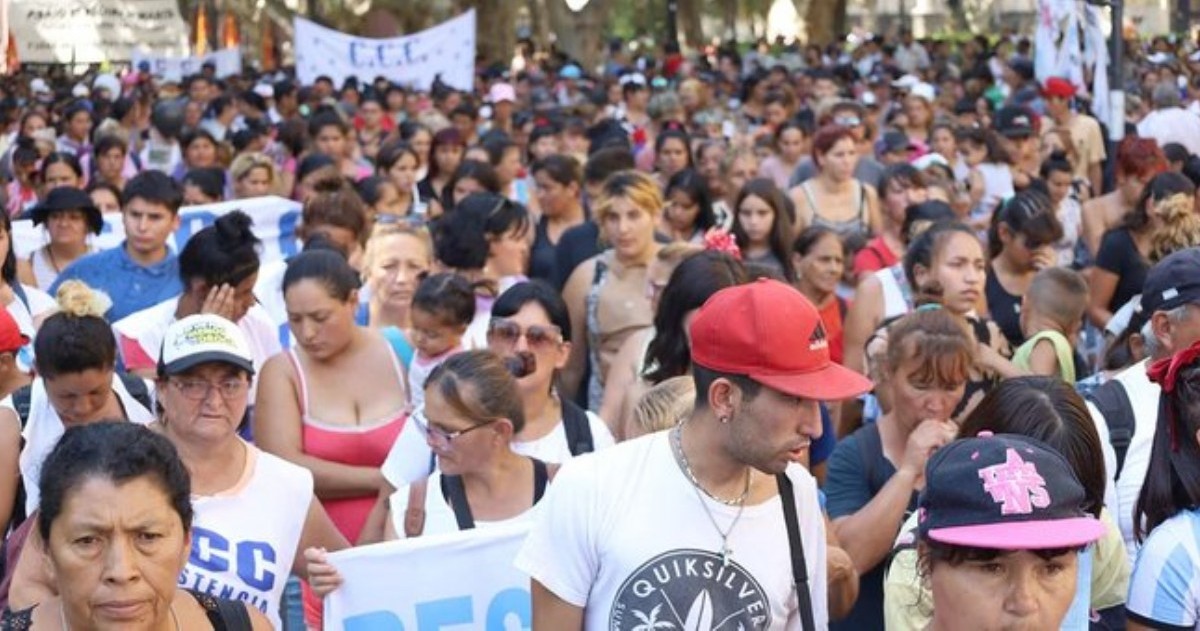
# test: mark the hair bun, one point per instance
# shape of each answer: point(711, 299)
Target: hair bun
point(78, 300)
point(234, 228)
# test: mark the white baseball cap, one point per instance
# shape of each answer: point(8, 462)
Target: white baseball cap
point(39, 86)
point(201, 339)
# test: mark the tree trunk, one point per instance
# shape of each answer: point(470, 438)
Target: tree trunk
point(580, 34)
point(825, 20)
point(690, 14)
point(496, 22)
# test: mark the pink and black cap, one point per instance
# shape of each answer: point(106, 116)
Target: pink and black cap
point(1004, 492)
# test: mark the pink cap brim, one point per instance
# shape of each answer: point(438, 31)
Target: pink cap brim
point(831, 383)
point(1024, 535)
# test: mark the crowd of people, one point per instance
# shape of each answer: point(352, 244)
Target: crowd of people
point(856, 337)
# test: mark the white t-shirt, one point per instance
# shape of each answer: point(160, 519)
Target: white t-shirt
point(411, 459)
point(439, 515)
point(623, 535)
point(246, 559)
point(43, 428)
point(1143, 397)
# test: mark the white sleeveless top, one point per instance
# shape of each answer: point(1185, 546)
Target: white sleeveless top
point(245, 539)
point(439, 515)
point(997, 186)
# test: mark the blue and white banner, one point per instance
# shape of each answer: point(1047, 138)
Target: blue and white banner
point(275, 222)
point(414, 60)
point(450, 582)
point(227, 63)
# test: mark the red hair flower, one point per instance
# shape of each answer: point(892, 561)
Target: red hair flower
point(721, 241)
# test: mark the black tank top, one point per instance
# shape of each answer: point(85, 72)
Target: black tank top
point(1004, 309)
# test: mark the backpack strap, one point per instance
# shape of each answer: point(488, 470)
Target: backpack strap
point(456, 495)
point(870, 444)
point(136, 387)
point(577, 428)
point(541, 476)
point(1113, 402)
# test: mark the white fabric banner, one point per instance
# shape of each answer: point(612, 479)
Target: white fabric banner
point(275, 222)
point(414, 60)
point(461, 580)
point(95, 31)
point(228, 62)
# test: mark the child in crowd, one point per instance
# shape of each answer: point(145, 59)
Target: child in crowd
point(1051, 316)
point(442, 309)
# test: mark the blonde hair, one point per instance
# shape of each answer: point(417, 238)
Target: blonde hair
point(1180, 226)
point(666, 404)
point(78, 300)
point(381, 232)
point(639, 188)
point(247, 162)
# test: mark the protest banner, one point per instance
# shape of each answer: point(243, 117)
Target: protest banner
point(275, 221)
point(228, 62)
point(414, 60)
point(95, 31)
point(459, 580)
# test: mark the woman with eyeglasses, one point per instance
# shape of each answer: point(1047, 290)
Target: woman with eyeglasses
point(834, 198)
point(203, 388)
point(473, 412)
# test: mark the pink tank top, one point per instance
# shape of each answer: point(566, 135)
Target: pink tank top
point(364, 445)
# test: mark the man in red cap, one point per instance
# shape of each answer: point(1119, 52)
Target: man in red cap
point(1083, 131)
point(691, 526)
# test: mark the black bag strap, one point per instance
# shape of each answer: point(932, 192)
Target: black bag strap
point(224, 614)
point(456, 494)
point(1113, 402)
point(578, 429)
point(136, 387)
point(799, 568)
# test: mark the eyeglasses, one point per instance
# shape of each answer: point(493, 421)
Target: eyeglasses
point(198, 389)
point(440, 435)
point(506, 333)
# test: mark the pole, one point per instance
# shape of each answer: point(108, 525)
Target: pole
point(672, 21)
point(1116, 74)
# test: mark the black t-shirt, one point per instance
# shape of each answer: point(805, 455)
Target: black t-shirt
point(857, 471)
point(543, 256)
point(1119, 255)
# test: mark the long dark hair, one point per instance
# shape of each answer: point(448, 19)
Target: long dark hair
point(691, 183)
point(691, 284)
point(1028, 213)
point(1173, 476)
point(780, 239)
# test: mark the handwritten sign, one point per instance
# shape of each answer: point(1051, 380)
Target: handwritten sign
point(95, 31)
point(447, 49)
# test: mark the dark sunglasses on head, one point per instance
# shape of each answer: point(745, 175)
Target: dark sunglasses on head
point(507, 332)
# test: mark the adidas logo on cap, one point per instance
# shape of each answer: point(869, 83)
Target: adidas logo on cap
point(818, 340)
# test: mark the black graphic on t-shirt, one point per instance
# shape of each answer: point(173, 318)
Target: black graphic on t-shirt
point(690, 590)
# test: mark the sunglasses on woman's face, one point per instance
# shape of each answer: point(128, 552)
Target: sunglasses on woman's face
point(505, 333)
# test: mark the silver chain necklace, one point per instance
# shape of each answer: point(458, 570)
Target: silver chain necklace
point(62, 616)
point(740, 502)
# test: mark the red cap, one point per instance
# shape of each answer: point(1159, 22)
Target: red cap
point(1058, 87)
point(11, 337)
point(771, 333)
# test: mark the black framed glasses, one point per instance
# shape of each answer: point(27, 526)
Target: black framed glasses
point(440, 435)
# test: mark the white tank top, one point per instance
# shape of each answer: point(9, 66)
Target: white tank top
point(245, 539)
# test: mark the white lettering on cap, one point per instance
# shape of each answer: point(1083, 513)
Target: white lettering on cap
point(1170, 294)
